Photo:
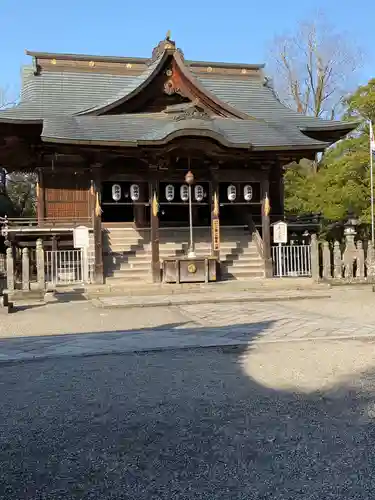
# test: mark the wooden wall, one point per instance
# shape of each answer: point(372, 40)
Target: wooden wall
point(67, 195)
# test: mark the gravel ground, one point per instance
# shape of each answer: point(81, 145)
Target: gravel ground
point(201, 424)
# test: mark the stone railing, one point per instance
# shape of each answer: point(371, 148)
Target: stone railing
point(350, 261)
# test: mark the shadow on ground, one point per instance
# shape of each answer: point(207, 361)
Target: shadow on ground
point(182, 424)
point(170, 335)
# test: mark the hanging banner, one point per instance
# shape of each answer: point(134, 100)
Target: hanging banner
point(215, 234)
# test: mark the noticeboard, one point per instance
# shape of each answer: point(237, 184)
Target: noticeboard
point(81, 237)
point(280, 232)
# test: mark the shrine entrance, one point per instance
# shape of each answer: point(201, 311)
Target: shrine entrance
point(174, 204)
point(126, 202)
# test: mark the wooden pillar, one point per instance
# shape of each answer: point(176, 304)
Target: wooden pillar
point(266, 226)
point(40, 197)
point(281, 188)
point(155, 258)
point(215, 219)
point(96, 187)
point(139, 210)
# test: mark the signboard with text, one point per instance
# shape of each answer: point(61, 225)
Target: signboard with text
point(216, 234)
point(81, 237)
point(280, 232)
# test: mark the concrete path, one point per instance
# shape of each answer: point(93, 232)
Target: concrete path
point(80, 328)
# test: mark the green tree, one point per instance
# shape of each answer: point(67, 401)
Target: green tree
point(343, 179)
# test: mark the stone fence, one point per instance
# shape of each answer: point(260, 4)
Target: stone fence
point(347, 262)
point(25, 278)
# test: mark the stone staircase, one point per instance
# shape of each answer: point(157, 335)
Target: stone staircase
point(126, 255)
point(127, 252)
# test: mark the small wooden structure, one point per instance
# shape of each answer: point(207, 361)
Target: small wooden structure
point(111, 139)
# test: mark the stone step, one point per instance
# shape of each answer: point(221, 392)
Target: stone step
point(242, 275)
point(124, 266)
point(130, 273)
point(243, 268)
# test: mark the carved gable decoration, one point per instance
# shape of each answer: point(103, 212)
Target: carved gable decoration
point(188, 111)
point(192, 113)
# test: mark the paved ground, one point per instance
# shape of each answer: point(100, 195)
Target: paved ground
point(284, 409)
point(277, 421)
point(81, 328)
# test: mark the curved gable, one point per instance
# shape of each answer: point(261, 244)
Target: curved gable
point(166, 74)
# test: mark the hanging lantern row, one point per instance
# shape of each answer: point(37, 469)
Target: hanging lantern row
point(247, 192)
point(184, 192)
point(134, 192)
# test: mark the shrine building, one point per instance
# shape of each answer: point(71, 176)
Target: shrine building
point(112, 140)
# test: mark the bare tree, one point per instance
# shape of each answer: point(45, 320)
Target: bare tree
point(314, 68)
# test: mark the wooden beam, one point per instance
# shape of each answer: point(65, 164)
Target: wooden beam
point(215, 218)
point(155, 257)
point(40, 197)
point(96, 187)
point(266, 226)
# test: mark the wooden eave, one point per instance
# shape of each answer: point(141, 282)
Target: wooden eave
point(329, 132)
point(137, 60)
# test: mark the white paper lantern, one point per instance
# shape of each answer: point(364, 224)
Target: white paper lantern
point(248, 192)
point(198, 192)
point(169, 192)
point(184, 192)
point(116, 192)
point(134, 192)
point(231, 192)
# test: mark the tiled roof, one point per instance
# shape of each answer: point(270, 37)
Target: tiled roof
point(59, 98)
point(142, 129)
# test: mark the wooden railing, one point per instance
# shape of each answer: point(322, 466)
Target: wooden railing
point(30, 222)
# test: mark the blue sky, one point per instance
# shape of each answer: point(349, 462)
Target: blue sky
point(237, 30)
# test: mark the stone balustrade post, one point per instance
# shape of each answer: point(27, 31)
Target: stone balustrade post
point(10, 270)
point(25, 269)
point(327, 273)
point(360, 270)
point(314, 257)
point(337, 261)
point(370, 262)
point(40, 267)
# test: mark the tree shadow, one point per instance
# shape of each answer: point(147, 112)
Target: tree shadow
point(181, 424)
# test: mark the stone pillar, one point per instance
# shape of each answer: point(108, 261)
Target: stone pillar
point(155, 257)
point(10, 269)
point(266, 226)
point(25, 269)
point(337, 261)
point(327, 274)
point(315, 274)
point(349, 254)
point(370, 262)
point(360, 271)
point(40, 267)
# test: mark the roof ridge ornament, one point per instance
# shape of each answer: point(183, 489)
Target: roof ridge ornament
point(162, 46)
